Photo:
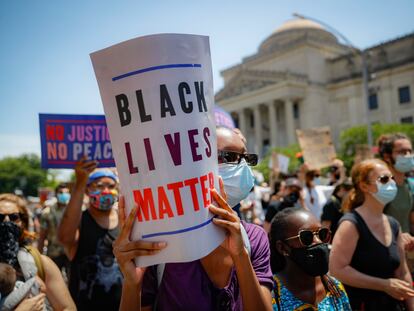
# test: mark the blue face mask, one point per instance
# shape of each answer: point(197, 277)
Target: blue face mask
point(238, 181)
point(386, 193)
point(404, 164)
point(63, 198)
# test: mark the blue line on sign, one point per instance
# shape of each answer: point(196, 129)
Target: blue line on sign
point(146, 236)
point(137, 72)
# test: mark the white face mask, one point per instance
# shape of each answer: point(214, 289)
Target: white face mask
point(238, 180)
point(385, 192)
point(404, 164)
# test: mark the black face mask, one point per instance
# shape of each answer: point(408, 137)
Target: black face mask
point(9, 242)
point(313, 260)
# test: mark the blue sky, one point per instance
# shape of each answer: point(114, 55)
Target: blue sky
point(45, 45)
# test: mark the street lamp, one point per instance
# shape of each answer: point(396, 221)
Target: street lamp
point(363, 55)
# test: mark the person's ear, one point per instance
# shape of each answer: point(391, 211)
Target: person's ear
point(282, 248)
point(364, 186)
point(388, 158)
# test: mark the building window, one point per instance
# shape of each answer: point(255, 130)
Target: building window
point(407, 120)
point(373, 101)
point(296, 111)
point(404, 94)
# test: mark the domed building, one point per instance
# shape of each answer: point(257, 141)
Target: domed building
point(303, 77)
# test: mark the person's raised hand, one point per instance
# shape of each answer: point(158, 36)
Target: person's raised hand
point(227, 219)
point(126, 250)
point(83, 168)
point(399, 289)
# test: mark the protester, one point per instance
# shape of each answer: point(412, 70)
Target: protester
point(367, 253)
point(292, 198)
point(95, 280)
point(230, 277)
point(396, 151)
point(332, 211)
point(299, 259)
point(336, 173)
point(16, 251)
point(49, 222)
point(315, 194)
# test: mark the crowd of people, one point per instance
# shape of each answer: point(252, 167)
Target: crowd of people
point(308, 242)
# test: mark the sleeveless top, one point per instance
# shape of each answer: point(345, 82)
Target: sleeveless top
point(373, 258)
point(95, 279)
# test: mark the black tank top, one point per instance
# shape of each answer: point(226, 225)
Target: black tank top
point(95, 279)
point(375, 259)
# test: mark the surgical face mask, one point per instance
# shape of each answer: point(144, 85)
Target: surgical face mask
point(317, 181)
point(63, 198)
point(238, 180)
point(385, 192)
point(9, 242)
point(313, 260)
point(103, 200)
point(404, 164)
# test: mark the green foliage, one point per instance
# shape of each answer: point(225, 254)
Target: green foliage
point(24, 172)
point(354, 136)
point(289, 151)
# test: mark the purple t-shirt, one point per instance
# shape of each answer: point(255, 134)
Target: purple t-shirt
point(186, 286)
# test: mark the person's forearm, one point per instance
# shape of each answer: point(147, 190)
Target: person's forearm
point(352, 277)
point(252, 294)
point(131, 297)
point(72, 216)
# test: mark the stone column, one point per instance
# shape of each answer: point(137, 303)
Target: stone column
point(289, 122)
point(272, 124)
point(258, 143)
point(242, 121)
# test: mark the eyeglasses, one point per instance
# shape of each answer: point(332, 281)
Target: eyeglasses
point(306, 236)
point(385, 179)
point(232, 157)
point(14, 217)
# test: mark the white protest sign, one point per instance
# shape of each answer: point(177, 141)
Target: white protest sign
point(281, 162)
point(158, 98)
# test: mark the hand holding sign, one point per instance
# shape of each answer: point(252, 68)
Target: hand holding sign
point(228, 220)
point(125, 251)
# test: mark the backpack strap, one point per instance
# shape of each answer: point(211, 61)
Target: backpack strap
point(37, 259)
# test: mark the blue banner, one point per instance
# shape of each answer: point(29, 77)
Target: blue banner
point(66, 138)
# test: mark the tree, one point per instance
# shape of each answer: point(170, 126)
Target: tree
point(24, 172)
point(352, 137)
point(289, 151)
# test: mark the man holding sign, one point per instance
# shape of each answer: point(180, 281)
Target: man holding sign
point(234, 276)
point(95, 279)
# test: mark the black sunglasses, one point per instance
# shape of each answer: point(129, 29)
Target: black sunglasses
point(232, 157)
point(13, 217)
point(385, 179)
point(306, 236)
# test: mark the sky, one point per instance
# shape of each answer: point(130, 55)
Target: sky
point(45, 45)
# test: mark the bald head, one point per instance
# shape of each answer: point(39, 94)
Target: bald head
point(230, 140)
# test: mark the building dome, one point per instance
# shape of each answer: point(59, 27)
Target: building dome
point(295, 30)
point(298, 23)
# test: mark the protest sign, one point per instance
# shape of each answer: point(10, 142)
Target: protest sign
point(66, 138)
point(279, 162)
point(317, 147)
point(158, 98)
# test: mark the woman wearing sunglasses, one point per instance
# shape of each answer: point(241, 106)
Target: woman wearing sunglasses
point(299, 260)
point(49, 289)
point(367, 252)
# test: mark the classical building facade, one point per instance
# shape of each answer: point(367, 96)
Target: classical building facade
point(302, 77)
